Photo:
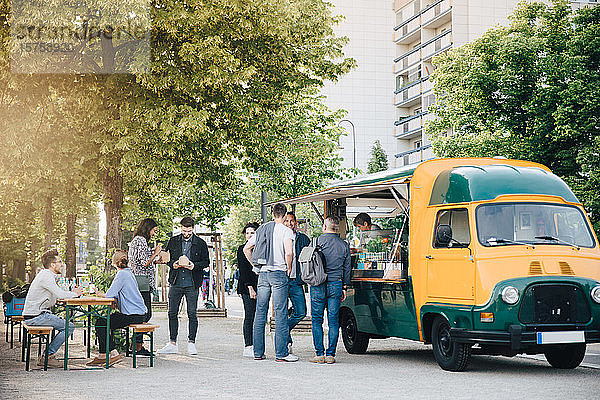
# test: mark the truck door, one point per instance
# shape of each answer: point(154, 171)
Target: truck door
point(450, 269)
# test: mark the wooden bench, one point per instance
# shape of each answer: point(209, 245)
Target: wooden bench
point(32, 332)
point(143, 330)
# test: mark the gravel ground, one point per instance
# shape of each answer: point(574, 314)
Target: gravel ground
point(392, 368)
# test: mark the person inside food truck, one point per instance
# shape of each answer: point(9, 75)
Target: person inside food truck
point(369, 230)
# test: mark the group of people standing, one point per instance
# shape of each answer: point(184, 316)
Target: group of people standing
point(277, 275)
point(276, 272)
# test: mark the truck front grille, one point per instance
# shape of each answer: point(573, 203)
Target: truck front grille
point(554, 304)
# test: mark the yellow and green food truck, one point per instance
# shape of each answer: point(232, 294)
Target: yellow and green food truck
point(481, 256)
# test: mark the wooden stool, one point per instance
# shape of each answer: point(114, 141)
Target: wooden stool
point(15, 319)
point(41, 332)
point(143, 330)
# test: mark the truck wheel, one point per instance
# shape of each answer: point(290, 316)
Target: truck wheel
point(355, 342)
point(567, 356)
point(451, 356)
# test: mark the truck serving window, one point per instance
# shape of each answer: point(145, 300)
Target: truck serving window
point(532, 223)
point(458, 220)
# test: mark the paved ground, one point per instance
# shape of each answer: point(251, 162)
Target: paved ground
point(392, 368)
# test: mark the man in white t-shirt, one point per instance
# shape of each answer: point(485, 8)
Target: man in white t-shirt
point(273, 278)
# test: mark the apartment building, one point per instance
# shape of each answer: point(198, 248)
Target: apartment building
point(424, 29)
point(365, 91)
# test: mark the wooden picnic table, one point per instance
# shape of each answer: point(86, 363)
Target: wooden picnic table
point(86, 307)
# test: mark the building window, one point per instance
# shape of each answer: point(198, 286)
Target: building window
point(417, 5)
point(418, 144)
point(428, 101)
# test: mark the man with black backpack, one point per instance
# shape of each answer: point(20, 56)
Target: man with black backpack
point(332, 292)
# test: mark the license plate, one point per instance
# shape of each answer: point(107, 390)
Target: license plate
point(560, 337)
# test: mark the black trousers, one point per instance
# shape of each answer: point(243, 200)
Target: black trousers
point(117, 320)
point(147, 296)
point(249, 311)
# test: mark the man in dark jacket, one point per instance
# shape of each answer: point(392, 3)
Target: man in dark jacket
point(189, 256)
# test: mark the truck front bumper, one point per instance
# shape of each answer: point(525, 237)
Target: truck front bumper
point(516, 338)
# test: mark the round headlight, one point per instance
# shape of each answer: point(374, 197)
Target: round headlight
point(510, 295)
point(596, 294)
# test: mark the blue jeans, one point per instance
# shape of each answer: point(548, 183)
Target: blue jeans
point(328, 295)
point(48, 319)
point(176, 293)
point(277, 283)
point(296, 295)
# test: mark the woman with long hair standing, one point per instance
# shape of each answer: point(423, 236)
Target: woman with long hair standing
point(247, 289)
point(142, 260)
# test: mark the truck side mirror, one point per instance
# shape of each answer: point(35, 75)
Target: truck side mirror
point(443, 235)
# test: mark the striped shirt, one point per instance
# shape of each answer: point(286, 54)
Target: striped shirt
point(139, 254)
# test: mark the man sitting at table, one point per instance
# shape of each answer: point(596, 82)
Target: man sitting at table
point(41, 297)
point(132, 310)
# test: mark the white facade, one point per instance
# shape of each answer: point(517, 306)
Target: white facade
point(365, 91)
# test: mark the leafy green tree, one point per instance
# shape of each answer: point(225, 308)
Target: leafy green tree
point(303, 158)
point(197, 116)
point(528, 91)
point(378, 161)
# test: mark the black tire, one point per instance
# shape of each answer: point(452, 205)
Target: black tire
point(566, 356)
point(450, 356)
point(355, 342)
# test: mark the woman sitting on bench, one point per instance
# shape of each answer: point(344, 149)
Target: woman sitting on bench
point(132, 309)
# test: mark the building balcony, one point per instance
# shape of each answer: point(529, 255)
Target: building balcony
point(427, 85)
point(436, 45)
point(408, 32)
point(407, 60)
point(437, 14)
point(409, 127)
point(422, 153)
point(409, 95)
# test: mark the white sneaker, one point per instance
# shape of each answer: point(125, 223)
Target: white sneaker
point(169, 348)
point(192, 349)
point(290, 349)
point(288, 358)
point(249, 351)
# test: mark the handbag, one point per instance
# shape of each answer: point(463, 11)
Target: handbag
point(143, 282)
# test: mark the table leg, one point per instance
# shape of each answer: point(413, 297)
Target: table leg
point(47, 352)
point(89, 330)
point(107, 335)
point(151, 349)
point(66, 335)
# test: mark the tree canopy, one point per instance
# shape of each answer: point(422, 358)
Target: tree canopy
point(172, 138)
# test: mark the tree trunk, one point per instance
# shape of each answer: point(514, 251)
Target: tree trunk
point(48, 224)
point(33, 256)
point(112, 183)
point(19, 268)
point(71, 253)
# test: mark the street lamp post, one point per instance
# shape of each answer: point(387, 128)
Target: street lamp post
point(353, 141)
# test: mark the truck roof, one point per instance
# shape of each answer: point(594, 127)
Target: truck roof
point(457, 180)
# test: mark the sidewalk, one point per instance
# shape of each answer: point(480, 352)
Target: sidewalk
point(392, 368)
